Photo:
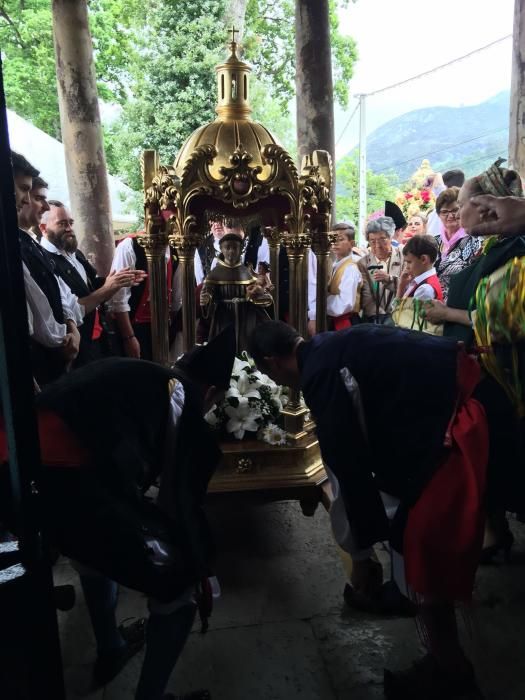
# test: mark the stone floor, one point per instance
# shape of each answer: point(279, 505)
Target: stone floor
point(281, 632)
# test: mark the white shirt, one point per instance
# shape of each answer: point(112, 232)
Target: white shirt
point(125, 257)
point(344, 302)
point(42, 324)
point(312, 283)
point(73, 311)
point(71, 258)
point(424, 291)
point(263, 255)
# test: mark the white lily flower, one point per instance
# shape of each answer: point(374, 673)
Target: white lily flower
point(244, 388)
point(242, 419)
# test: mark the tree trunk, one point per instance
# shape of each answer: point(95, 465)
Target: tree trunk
point(235, 16)
point(313, 79)
point(517, 95)
point(82, 132)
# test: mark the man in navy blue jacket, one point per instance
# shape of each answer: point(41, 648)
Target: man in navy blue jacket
point(395, 418)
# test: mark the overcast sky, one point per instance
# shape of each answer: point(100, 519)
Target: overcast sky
point(400, 38)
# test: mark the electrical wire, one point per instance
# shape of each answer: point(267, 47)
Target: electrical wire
point(422, 75)
point(440, 150)
point(347, 124)
point(444, 65)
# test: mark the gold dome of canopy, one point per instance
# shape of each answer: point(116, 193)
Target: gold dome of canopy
point(233, 129)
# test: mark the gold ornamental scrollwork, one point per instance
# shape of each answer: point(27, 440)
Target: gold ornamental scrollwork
point(296, 242)
point(240, 184)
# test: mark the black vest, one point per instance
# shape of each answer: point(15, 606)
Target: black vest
point(206, 253)
point(142, 264)
point(42, 269)
point(81, 289)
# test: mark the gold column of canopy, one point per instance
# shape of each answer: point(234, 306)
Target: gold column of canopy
point(234, 166)
point(155, 241)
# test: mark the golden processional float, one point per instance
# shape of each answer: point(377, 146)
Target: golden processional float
point(234, 167)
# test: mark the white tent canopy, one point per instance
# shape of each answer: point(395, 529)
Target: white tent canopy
point(47, 155)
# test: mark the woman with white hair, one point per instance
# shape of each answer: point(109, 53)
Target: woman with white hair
point(381, 269)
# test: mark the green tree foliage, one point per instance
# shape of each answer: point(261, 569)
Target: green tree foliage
point(26, 41)
point(380, 187)
point(173, 88)
point(156, 60)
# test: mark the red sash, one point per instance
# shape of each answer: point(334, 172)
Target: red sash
point(444, 533)
point(340, 322)
point(59, 447)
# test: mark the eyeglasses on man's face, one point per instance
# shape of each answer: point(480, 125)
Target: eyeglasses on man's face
point(378, 241)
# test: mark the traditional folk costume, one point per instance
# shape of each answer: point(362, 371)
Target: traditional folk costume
point(377, 298)
point(344, 293)
point(92, 485)
point(136, 300)
point(82, 278)
point(425, 286)
point(62, 305)
point(437, 452)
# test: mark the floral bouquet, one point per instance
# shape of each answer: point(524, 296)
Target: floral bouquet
point(417, 198)
point(415, 201)
point(251, 407)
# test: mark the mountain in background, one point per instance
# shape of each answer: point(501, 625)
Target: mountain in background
point(470, 138)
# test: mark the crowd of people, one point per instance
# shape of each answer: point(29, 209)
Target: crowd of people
point(448, 429)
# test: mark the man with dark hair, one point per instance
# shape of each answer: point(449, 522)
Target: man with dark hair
point(92, 495)
point(53, 313)
point(454, 178)
point(381, 431)
point(32, 215)
point(81, 277)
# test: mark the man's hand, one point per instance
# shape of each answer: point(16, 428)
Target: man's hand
point(132, 347)
point(502, 215)
point(71, 343)
point(367, 577)
point(116, 280)
point(311, 328)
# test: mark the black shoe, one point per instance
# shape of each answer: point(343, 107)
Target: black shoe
point(389, 602)
point(426, 681)
point(196, 695)
point(107, 666)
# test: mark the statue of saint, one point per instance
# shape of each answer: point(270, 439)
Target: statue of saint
point(232, 293)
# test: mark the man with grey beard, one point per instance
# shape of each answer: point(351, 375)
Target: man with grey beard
point(58, 238)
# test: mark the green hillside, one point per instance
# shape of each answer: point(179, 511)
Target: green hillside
point(469, 138)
